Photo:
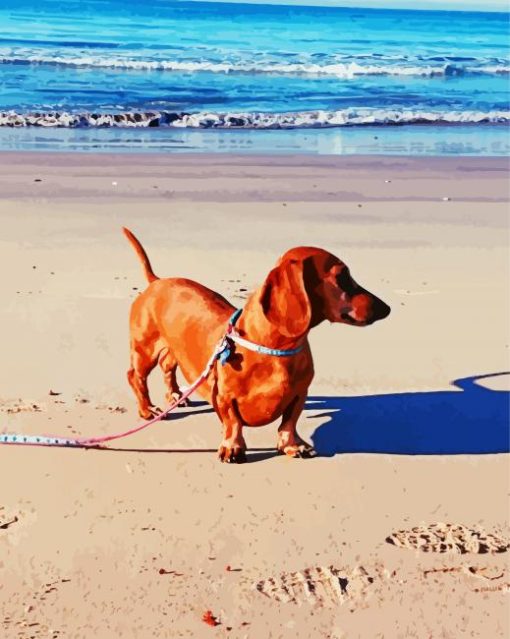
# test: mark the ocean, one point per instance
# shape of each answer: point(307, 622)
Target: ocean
point(179, 76)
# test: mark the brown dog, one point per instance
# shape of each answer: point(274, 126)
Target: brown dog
point(178, 322)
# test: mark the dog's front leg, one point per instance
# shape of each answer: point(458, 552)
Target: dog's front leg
point(233, 447)
point(289, 442)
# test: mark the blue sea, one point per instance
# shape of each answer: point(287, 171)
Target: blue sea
point(176, 76)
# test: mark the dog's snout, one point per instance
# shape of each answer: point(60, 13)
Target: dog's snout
point(365, 309)
point(380, 310)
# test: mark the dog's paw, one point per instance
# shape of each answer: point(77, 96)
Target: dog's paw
point(298, 451)
point(232, 455)
point(150, 412)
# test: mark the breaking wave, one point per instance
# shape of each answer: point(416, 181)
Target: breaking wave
point(343, 67)
point(206, 120)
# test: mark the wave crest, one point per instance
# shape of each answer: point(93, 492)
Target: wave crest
point(333, 68)
point(204, 120)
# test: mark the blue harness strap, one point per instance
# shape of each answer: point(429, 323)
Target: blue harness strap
point(228, 349)
point(232, 337)
point(235, 316)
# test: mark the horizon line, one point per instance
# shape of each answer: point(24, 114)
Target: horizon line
point(329, 4)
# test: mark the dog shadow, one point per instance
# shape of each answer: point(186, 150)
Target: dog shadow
point(469, 419)
point(252, 455)
point(194, 408)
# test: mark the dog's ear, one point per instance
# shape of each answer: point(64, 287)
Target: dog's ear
point(284, 298)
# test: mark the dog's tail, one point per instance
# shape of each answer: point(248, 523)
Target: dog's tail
point(142, 255)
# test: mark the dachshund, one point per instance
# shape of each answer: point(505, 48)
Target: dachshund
point(178, 322)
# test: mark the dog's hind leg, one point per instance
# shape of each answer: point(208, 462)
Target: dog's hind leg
point(168, 365)
point(143, 361)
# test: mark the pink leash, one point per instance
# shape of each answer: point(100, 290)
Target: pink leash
point(85, 442)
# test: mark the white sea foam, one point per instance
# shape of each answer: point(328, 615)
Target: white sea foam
point(205, 120)
point(334, 68)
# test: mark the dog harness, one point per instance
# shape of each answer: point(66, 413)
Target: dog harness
point(233, 336)
point(223, 351)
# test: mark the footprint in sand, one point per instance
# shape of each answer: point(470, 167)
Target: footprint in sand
point(320, 586)
point(449, 538)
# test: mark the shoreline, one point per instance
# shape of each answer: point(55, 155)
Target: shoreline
point(399, 140)
point(229, 178)
point(296, 158)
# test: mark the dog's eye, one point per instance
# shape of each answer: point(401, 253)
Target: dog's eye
point(345, 282)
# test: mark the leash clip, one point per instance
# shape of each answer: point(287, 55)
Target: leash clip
point(227, 347)
point(227, 350)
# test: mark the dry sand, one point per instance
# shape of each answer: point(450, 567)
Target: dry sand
point(135, 542)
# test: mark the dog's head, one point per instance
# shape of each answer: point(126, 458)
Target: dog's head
point(309, 285)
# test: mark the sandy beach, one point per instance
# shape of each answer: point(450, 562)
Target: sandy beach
point(409, 416)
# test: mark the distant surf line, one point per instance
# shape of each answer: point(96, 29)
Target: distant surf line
point(336, 69)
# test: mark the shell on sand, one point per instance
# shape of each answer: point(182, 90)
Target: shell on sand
point(452, 538)
point(321, 586)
